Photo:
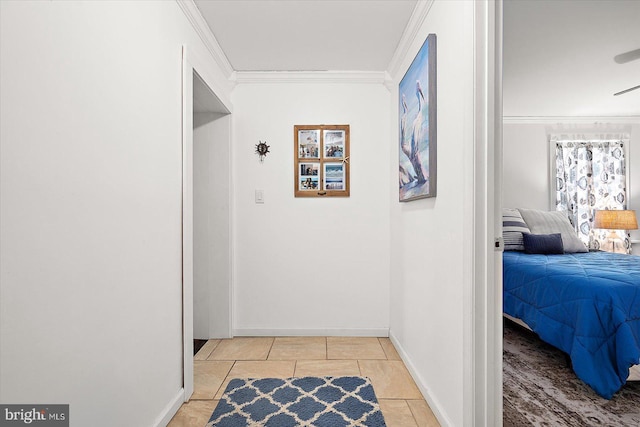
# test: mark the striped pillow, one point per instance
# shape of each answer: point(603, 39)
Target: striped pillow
point(512, 228)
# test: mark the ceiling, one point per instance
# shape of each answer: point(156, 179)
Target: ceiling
point(558, 55)
point(307, 35)
point(560, 58)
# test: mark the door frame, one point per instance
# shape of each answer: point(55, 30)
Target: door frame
point(483, 306)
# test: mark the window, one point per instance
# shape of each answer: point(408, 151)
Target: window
point(590, 175)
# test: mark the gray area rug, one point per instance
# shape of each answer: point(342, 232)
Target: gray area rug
point(540, 389)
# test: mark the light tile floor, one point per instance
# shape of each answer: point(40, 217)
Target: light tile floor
point(221, 360)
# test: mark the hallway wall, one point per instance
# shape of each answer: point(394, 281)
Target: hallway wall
point(310, 266)
point(91, 173)
point(431, 239)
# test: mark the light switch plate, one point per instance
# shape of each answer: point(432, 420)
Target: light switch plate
point(259, 196)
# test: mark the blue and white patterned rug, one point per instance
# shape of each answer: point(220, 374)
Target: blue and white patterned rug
point(295, 402)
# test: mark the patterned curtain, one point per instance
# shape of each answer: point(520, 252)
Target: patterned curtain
point(590, 176)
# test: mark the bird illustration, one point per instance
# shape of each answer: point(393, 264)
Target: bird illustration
point(416, 136)
point(404, 144)
point(405, 175)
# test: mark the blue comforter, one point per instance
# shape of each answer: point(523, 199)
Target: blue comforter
point(586, 304)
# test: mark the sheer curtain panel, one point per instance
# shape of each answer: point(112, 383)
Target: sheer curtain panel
point(591, 175)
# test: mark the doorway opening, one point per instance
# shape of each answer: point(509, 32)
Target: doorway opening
point(211, 219)
point(206, 212)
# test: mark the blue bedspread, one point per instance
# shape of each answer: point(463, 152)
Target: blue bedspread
point(586, 304)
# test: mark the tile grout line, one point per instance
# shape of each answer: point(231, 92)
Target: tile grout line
point(411, 410)
point(213, 349)
point(223, 380)
point(326, 348)
point(273, 342)
point(383, 349)
point(198, 352)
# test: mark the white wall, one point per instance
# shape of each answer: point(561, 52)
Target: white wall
point(90, 281)
point(305, 265)
point(427, 240)
point(525, 166)
point(211, 226)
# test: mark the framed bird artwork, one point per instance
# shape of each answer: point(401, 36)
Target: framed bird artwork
point(417, 118)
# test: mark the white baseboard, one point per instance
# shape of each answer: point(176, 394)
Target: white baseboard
point(170, 410)
point(329, 332)
point(433, 403)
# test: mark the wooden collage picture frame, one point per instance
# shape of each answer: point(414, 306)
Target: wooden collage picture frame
point(321, 160)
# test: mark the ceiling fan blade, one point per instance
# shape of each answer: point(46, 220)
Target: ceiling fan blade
point(627, 90)
point(632, 55)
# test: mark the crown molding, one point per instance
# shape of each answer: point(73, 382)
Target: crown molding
point(571, 119)
point(418, 16)
point(201, 27)
point(366, 77)
point(389, 83)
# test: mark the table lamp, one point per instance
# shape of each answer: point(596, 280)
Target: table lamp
point(615, 220)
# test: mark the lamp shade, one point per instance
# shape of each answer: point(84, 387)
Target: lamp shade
point(615, 220)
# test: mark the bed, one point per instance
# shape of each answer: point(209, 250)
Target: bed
point(585, 303)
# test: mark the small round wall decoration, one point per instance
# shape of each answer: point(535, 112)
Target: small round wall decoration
point(262, 149)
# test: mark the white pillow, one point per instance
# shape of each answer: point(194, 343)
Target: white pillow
point(544, 222)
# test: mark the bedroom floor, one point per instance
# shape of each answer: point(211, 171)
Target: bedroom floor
point(220, 360)
point(540, 388)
